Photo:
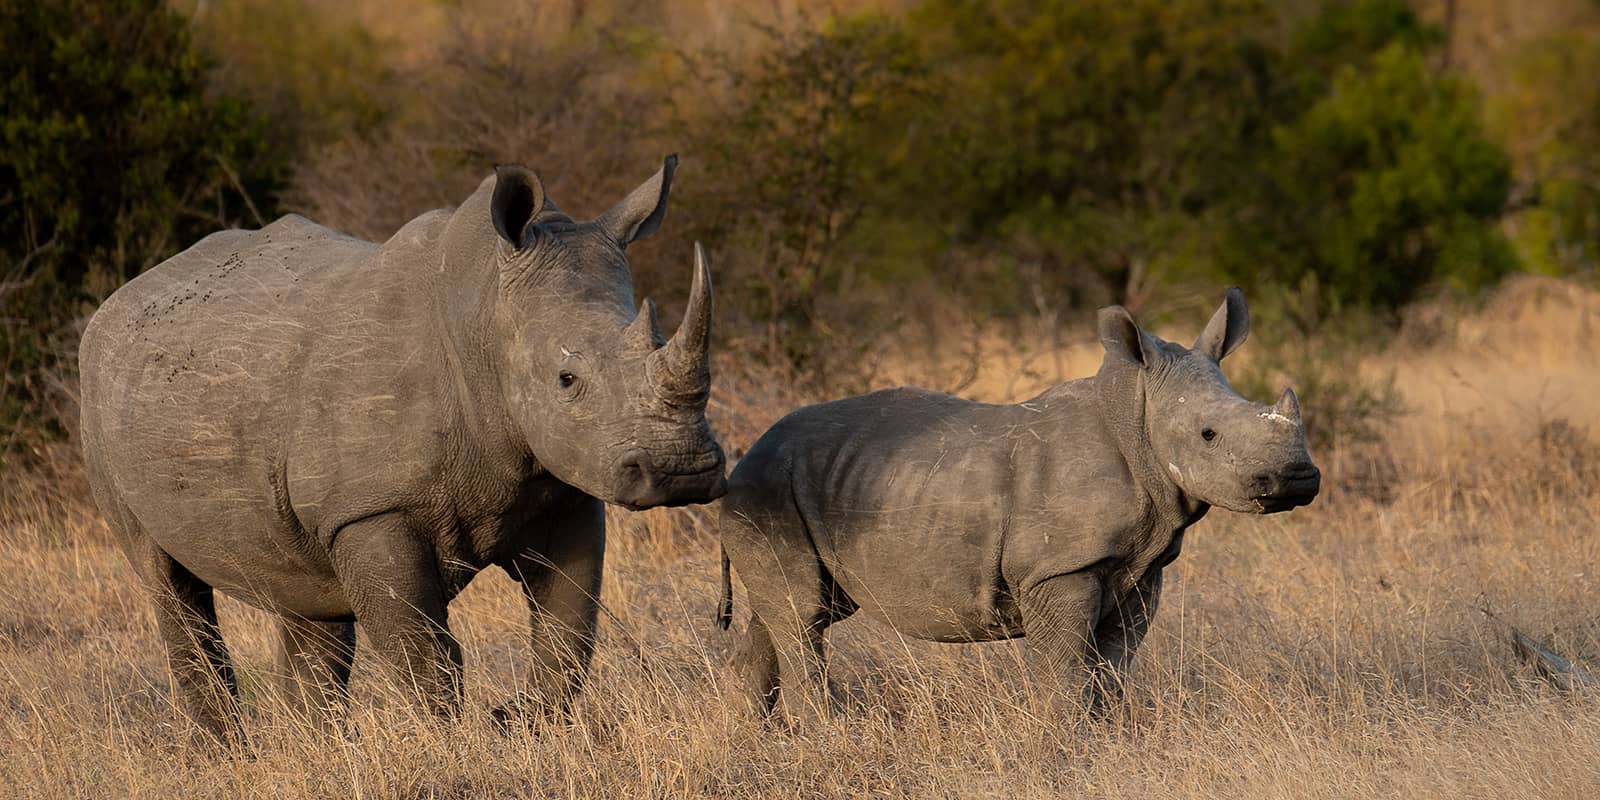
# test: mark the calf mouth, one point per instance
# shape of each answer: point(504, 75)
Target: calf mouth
point(1290, 497)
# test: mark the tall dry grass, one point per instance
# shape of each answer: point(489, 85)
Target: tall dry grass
point(1337, 651)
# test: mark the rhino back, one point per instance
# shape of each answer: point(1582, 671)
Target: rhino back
point(234, 393)
point(921, 502)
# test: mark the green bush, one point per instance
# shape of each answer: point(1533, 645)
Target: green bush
point(1097, 140)
point(112, 157)
point(1553, 122)
point(791, 180)
point(1385, 185)
point(1023, 154)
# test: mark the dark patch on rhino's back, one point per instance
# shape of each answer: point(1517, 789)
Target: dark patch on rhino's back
point(262, 268)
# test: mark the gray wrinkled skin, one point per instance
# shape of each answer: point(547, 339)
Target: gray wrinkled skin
point(957, 521)
point(341, 431)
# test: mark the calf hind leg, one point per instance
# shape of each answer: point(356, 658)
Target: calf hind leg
point(792, 602)
point(757, 661)
point(792, 623)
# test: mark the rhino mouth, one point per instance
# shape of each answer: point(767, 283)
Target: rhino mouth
point(1296, 487)
point(640, 486)
point(1285, 500)
point(1275, 504)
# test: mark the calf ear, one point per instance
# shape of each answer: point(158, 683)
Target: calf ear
point(641, 212)
point(1227, 328)
point(518, 196)
point(1121, 336)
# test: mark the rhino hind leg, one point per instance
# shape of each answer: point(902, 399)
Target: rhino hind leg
point(186, 618)
point(204, 688)
point(314, 664)
point(757, 663)
point(783, 658)
point(803, 663)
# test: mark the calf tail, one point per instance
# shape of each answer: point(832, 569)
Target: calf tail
point(725, 608)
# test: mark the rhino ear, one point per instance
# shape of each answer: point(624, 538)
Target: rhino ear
point(640, 213)
point(1121, 336)
point(518, 195)
point(1227, 328)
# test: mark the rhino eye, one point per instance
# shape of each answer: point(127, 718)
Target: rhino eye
point(566, 379)
point(1208, 434)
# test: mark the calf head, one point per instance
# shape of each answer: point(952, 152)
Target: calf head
point(606, 403)
point(1218, 447)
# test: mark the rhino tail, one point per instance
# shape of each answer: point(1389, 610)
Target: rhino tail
point(725, 608)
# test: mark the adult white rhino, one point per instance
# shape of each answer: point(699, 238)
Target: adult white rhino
point(339, 431)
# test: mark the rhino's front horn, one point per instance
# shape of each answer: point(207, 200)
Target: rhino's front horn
point(682, 369)
point(1288, 406)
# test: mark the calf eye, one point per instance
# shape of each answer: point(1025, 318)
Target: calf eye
point(566, 379)
point(1208, 434)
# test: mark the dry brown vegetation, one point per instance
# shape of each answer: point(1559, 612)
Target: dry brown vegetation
point(1337, 651)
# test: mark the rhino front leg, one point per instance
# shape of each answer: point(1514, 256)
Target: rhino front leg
point(391, 577)
point(561, 582)
point(315, 664)
point(1058, 618)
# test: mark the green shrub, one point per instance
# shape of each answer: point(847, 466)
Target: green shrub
point(112, 157)
point(1386, 185)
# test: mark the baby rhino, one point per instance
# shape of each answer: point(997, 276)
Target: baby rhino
point(957, 521)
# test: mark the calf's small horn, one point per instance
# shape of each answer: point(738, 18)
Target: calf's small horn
point(1288, 405)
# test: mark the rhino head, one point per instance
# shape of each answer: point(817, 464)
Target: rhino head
point(1219, 448)
point(605, 402)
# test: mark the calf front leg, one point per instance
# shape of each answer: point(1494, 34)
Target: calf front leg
point(1058, 617)
point(391, 577)
point(1119, 635)
point(561, 582)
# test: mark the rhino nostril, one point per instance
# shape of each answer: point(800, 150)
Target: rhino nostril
point(1299, 479)
point(1261, 484)
point(631, 468)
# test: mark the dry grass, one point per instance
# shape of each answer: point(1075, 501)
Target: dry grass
point(1334, 652)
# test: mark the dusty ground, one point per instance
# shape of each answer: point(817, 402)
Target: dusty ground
point(1338, 651)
